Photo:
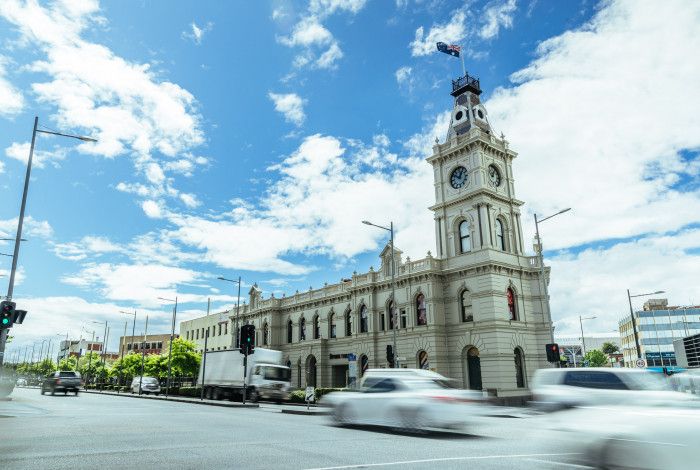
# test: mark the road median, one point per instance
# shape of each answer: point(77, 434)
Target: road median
point(172, 398)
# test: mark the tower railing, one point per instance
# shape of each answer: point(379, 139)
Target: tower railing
point(466, 82)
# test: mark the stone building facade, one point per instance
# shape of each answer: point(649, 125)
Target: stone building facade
point(473, 311)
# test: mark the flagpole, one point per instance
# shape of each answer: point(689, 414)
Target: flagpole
point(461, 56)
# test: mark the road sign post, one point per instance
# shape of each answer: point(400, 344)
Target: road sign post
point(309, 396)
point(640, 363)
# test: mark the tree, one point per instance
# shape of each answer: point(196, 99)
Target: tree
point(595, 358)
point(156, 366)
point(68, 363)
point(185, 360)
point(609, 348)
point(128, 367)
point(89, 364)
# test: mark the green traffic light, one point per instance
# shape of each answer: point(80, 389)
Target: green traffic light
point(5, 321)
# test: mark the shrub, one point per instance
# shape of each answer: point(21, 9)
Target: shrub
point(190, 391)
point(320, 392)
point(297, 396)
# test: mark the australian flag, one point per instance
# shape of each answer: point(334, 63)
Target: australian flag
point(452, 49)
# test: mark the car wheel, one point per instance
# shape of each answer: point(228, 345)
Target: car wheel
point(65, 392)
point(413, 420)
point(342, 415)
point(76, 392)
point(216, 394)
point(53, 391)
point(42, 390)
point(253, 395)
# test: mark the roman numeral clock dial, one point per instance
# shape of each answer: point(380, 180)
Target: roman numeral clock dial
point(458, 178)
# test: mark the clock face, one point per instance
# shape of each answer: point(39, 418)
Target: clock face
point(494, 176)
point(458, 177)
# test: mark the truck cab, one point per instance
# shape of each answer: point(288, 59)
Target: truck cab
point(270, 381)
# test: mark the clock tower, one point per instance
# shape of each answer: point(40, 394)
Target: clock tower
point(498, 315)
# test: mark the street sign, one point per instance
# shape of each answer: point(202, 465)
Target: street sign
point(641, 363)
point(402, 358)
point(309, 394)
point(352, 357)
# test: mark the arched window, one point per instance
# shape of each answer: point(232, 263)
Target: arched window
point(364, 364)
point(519, 368)
point(423, 360)
point(465, 243)
point(348, 323)
point(364, 320)
point(331, 325)
point(465, 306)
point(302, 329)
point(289, 331)
point(511, 304)
point(422, 314)
point(266, 333)
point(500, 239)
point(317, 327)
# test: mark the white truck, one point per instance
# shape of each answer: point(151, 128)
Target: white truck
point(222, 375)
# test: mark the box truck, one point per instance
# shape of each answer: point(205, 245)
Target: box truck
point(222, 375)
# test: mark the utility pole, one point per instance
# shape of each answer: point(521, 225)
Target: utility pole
point(143, 354)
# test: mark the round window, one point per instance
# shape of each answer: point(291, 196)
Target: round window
point(481, 115)
point(459, 115)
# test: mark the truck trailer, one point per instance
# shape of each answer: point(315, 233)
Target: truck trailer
point(222, 375)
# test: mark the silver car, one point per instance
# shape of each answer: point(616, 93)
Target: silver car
point(148, 385)
point(412, 400)
point(554, 389)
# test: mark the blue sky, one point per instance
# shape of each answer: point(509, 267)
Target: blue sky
point(251, 138)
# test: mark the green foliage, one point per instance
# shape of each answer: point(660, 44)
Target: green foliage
point(185, 360)
point(156, 366)
point(297, 396)
point(128, 367)
point(595, 358)
point(609, 348)
point(68, 363)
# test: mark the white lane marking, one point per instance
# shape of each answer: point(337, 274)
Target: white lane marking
point(558, 464)
point(443, 459)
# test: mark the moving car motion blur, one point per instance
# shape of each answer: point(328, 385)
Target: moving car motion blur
point(409, 399)
point(554, 389)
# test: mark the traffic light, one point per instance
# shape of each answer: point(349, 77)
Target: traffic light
point(390, 355)
point(247, 341)
point(7, 314)
point(553, 354)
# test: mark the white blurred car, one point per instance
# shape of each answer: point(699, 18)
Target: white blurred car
point(410, 399)
point(554, 389)
point(660, 437)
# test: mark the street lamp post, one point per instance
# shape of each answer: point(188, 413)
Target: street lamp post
point(542, 278)
point(143, 354)
point(393, 303)
point(583, 339)
point(20, 220)
point(634, 322)
point(170, 346)
point(238, 304)
point(90, 358)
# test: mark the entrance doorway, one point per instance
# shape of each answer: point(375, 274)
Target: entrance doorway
point(339, 377)
point(472, 372)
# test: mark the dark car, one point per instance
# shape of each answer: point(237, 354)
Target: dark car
point(61, 381)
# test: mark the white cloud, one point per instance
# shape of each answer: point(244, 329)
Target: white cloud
point(308, 32)
point(30, 227)
point(328, 7)
point(421, 144)
point(403, 74)
point(152, 209)
point(154, 174)
point(87, 246)
point(290, 105)
point(20, 152)
point(196, 33)
point(578, 116)
point(123, 104)
point(594, 281)
point(328, 59)
point(451, 32)
point(497, 15)
point(190, 200)
point(11, 99)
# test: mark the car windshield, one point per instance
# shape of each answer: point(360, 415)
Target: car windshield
point(647, 381)
point(277, 373)
point(436, 384)
point(150, 380)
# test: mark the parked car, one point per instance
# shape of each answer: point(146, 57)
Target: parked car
point(148, 385)
point(554, 389)
point(21, 382)
point(410, 399)
point(61, 381)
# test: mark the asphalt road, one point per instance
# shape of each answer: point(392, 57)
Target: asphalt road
point(105, 432)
